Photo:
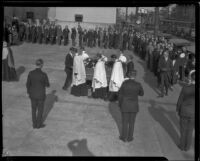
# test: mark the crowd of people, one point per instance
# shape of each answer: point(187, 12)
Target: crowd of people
point(162, 58)
point(178, 61)
point(51, 33)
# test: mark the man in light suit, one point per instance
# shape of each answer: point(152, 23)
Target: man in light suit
point(128, 103)
point(36, 84)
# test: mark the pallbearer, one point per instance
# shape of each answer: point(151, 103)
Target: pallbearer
point(117, 77)
point(99, 82)
point(79, 87)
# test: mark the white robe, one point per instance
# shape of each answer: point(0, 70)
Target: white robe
point(84, 55)
point(79, 68)
point(122, 58)
point(117, 77)
point(5, 53)
point(99, 78)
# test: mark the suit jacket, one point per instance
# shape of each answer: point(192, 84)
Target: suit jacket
point(36, 84)
point(130, 67)
point(128, 95)
point(186, 101)
point(165, 66)
point(68, 62)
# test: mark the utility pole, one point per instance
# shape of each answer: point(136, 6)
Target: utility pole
point(126, 13)
point(136, 12)
point(156, 27)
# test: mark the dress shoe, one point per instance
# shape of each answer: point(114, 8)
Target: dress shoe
point(122, 139)
point(41, 126)
point(129, 140)
point(181, 148)
point(161, 95)
point(64, 88)
point(171, 88)
point(34, 126)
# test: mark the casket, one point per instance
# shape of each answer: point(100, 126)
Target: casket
point(90, 73)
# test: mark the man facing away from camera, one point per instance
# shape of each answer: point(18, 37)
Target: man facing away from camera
point(36, 84)
point(128, 103)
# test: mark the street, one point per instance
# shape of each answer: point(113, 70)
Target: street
point(93, 124)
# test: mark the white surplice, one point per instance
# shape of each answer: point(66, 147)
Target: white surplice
point(79, 68)
point(117, 77)
point(99, 78)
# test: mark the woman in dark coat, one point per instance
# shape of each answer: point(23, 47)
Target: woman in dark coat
point(186, 112)
point(8, 67)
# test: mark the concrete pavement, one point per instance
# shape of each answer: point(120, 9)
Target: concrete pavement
point(93, 126)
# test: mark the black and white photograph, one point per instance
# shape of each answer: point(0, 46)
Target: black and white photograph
point(99, 81)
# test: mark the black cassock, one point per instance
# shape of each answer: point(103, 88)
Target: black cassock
point(8, 69)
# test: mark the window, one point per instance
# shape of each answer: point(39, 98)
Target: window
point(78, 18)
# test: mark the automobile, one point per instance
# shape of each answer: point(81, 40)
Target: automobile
point(179, 42)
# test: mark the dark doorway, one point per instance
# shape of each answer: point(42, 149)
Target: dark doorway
point(78, 18)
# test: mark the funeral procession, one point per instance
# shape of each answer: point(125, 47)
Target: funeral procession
point(99, 81)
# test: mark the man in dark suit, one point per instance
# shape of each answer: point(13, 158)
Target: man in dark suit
point(186, 111)
point(36, 83)
point(128, 103)
point(130, 65)
point(73, 36)
point(165, 68)
point(68, 68)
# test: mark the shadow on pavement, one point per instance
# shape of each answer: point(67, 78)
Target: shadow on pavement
point(149, 78)
point(159, 115)
point(116, 115)
point(51, 98)
point(20, 70)
point(79, 148)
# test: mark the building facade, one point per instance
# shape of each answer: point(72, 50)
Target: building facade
point(87, 17)
point(24, 13)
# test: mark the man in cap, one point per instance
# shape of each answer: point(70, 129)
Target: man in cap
point(36, 84)
point(128, 103)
